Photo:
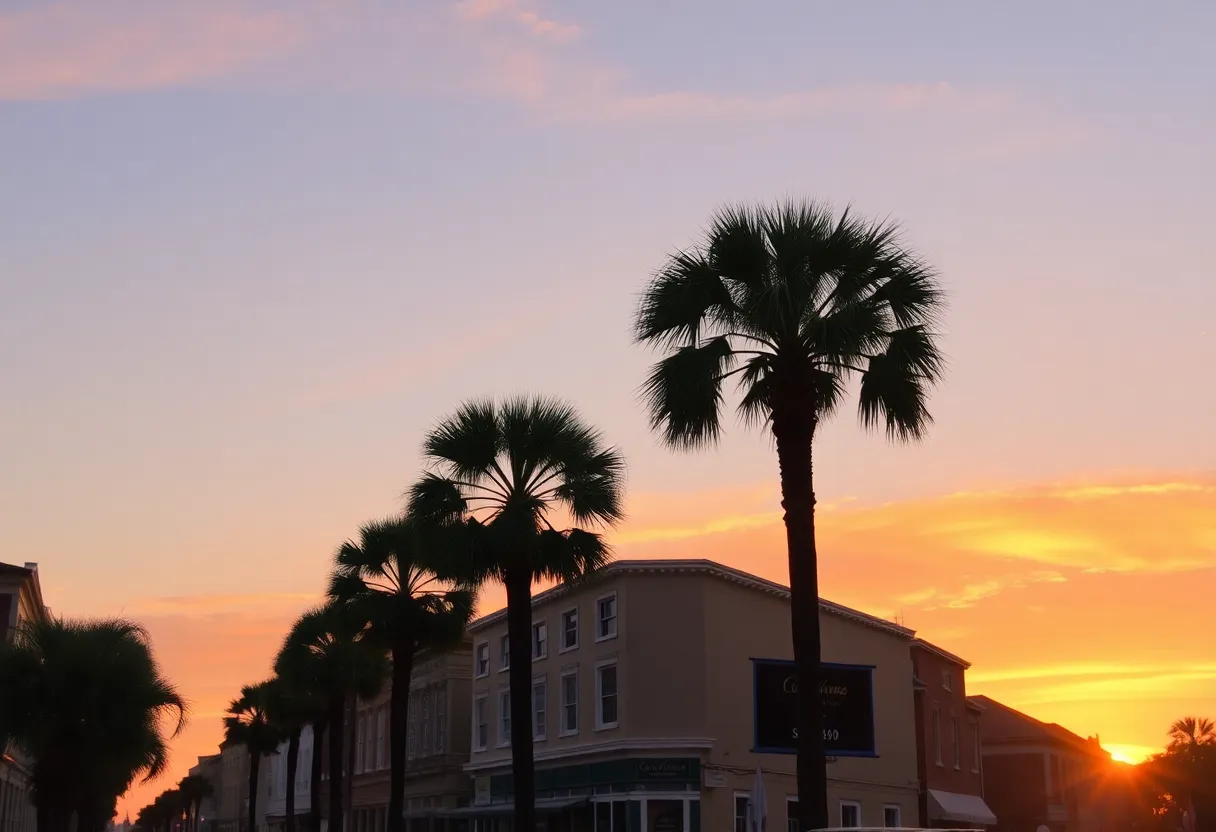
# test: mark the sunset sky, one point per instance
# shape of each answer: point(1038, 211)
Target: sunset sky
point(251, 249)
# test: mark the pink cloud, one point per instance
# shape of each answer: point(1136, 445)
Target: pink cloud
point(529, 19)
point(71, 47)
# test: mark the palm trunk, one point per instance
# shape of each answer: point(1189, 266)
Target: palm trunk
point(794, 435)
point(317, 767)
point(255, 761)
point(336, 721)
point(293, 761)
point(398, 721)
point(519, 637)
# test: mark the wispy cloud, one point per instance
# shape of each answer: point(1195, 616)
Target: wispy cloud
point(528, 19)
point(71, 47)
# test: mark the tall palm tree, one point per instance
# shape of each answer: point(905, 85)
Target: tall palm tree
point(249, 724)
point(341, 663)
point(85, 701)
point(402, 587)
point(291, 705)
point(1191, 733)
point(794, 302)
point(508, 469)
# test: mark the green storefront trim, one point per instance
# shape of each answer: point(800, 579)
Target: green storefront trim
point(649, 773)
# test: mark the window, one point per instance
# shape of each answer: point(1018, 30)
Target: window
point(570, 629)
point(504, 717)
point(975, 747)
point(742, 800)
point(360, 724)
point(890, 817)
point(850, 814)
point(605, 626)
point(570, 703)
point(540, 708)
point(606, 695)
point(611, 815)
point(540, 640)
point(504, 653)
point(948, 679)
point(954, 739)
point(481, 725)
point(483, 659)
point(937, 736)
point(379, 739)
point(441, 718)
point(791, 814)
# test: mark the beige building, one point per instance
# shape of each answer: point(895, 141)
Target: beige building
point(644, 699)
point(20, 601)
point(437, 745)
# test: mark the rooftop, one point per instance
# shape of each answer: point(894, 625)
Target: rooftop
point(700, 567)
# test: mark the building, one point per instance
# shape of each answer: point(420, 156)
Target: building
point(646, 683)
point(437, 745)
point(20, 601)
point(233, 794)
point(273, 798)
point(949, 761)
point(1037, 773)
point(208, 768)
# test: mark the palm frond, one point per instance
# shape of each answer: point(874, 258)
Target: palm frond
point(675, 306)
point(684, 393)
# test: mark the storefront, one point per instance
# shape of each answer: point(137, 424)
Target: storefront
point(635, 794)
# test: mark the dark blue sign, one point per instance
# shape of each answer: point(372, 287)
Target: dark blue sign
point(847, 693)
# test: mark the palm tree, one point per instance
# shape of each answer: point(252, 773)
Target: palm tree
point(506, 469)
point(1189, 734)
point(333, 650)
point(85, 701)
point(291, 705)
point(794, 302)
point(249, 724)
point(194, 789)
point(402, 588)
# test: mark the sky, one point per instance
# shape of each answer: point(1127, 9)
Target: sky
point(250, 250)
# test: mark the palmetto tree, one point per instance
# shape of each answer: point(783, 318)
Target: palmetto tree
point(249, 724)
point(334, 652)
point(1191, 733)
point(402, 587)
point(510, 470)
point(793, 302)
point(291, 704)
point(85, 701)
point(194, 789)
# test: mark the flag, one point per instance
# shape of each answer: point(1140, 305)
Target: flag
point(756, 807)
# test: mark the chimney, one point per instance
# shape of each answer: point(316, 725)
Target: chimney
point(33, 567)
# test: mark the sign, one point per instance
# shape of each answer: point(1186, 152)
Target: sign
point(666, 768)
point(847, 691)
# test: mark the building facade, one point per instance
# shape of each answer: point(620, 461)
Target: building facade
point(20, 601)
point(949, 759)
point(437, 745)
point(209, 769)
point(274, 784)
point(644, 698)
point(1040, 774)
point(233, 794)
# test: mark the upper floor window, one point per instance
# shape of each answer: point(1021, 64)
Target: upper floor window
point(570, 702)
point(937, 736)
point(504, 717)
point(481, 723)
point(570, 629)
point(540, 640)
point(891, 817)
point(954, 738)
point(605, 625)
point(975, 747)
point(606, 705)
point(948, 679)
point(483, 659)
point(504, 652)
point(540, 708)
point(850, 814)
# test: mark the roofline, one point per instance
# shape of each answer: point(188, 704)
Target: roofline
point(945, 654)
point(32, 582)
point(1051, 732)
point(703, 566)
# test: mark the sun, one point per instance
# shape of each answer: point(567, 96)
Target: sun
point(1131, 754)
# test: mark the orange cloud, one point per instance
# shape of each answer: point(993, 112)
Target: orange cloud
point(65, 48)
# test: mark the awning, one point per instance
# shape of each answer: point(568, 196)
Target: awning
point(546, 805)
point(960, 808)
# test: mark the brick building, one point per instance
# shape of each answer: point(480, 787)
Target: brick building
point(949, 762)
